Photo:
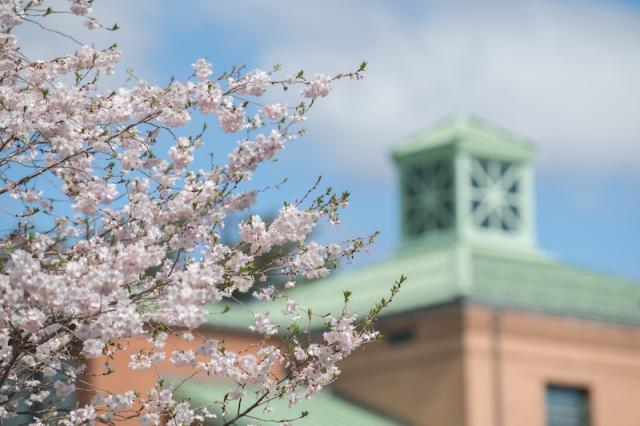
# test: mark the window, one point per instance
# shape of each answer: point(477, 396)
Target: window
point(495, 194)
point(401, 336)
point(567, 406)
point(428, 192)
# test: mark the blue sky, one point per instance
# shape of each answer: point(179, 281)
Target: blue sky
point(563, 74)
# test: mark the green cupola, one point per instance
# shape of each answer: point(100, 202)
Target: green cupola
point(466, 181)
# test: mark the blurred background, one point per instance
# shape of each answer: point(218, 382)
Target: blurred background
point(521, 337)
point(562, 74)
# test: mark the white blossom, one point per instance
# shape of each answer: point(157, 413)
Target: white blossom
point(202, 69)
point(92, 348)
point(274, 112)
point(129, 239)
point(320, 86)
point(263, 325)
point(63, 389)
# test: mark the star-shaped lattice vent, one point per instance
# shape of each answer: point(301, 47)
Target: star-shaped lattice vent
point(429, 198)
point(495, 194)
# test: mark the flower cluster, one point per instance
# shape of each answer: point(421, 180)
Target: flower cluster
point(117, 237)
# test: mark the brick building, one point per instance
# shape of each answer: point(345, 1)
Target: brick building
point(489, 330)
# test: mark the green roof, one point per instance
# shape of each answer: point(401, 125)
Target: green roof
point(324, 409)
point(527, 280)
point(469, 134)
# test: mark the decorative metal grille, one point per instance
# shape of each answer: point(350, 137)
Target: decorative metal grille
point(495, 194)
point(429, 197)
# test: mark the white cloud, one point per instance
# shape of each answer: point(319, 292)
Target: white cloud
point(563, 74)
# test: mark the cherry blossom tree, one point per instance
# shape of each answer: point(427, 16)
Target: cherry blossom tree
point(118, 236)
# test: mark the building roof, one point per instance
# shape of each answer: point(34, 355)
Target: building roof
point(467, 133)
point(325, 408)
point(517, 280)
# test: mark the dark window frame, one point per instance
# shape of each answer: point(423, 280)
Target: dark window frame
point(567, 405)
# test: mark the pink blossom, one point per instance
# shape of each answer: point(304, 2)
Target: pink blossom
point(63, 389)
point(92, 348)
point(32, 320)
point(263, 325)
point(254, 83)
point(140, 253)
point(320, 86)
point(275, 112)
point(232, 120)
point(80, 7)
point(202, 69)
